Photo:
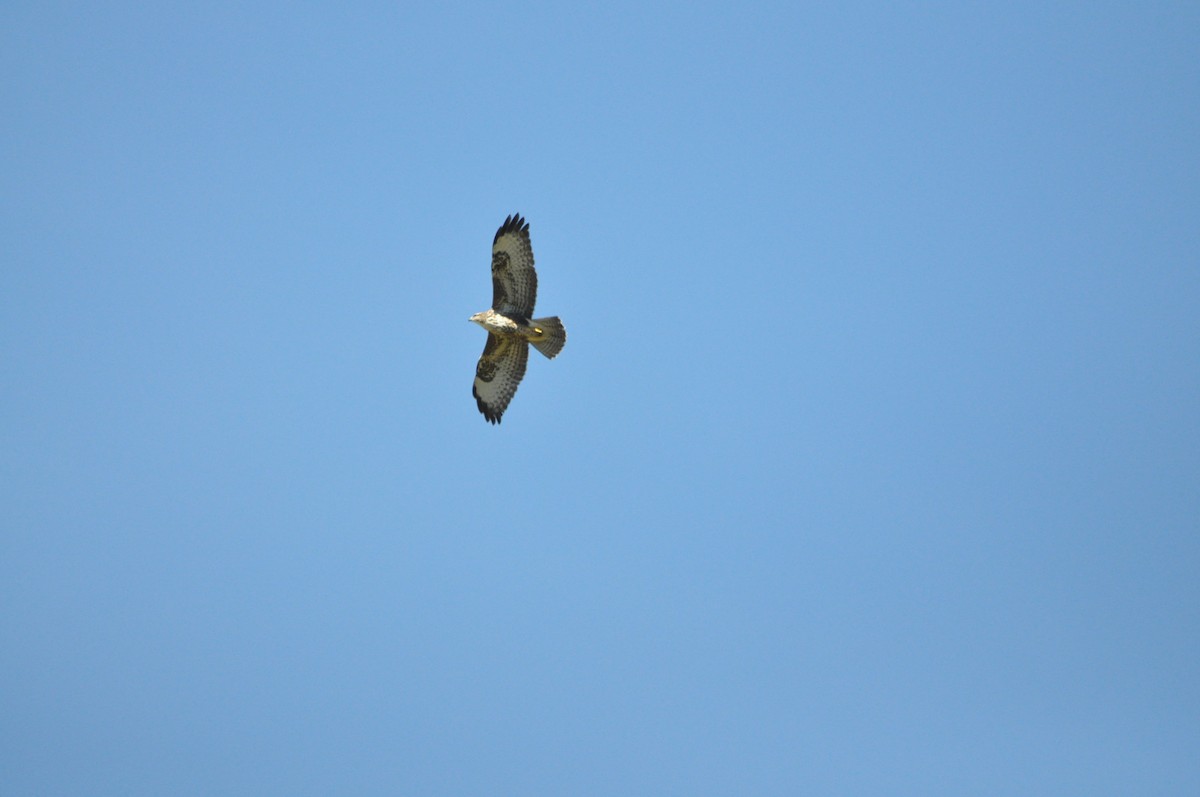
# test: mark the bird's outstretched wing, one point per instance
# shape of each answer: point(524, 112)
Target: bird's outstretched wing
point(500, 369)
point(514, 282)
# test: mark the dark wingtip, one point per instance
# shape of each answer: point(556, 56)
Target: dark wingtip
point(513, 223)
point(488, 415)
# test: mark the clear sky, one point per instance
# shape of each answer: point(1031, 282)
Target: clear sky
point(871, 465)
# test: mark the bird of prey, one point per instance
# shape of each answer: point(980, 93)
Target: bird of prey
point(510, 323)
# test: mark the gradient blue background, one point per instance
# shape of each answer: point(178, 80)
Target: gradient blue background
point(872, 464)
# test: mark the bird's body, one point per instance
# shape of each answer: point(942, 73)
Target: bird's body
point(509, 322)
point(498, 324)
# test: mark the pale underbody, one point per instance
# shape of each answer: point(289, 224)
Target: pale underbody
point(506, 327)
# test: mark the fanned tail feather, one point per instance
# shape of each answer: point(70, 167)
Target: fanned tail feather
point(551, 338)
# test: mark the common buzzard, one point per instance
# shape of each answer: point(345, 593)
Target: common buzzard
point(509, 323)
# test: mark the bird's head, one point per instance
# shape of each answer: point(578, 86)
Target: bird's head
point(477, 318)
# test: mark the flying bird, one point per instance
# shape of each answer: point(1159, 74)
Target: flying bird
point(509, 323)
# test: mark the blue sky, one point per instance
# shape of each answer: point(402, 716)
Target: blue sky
point(871, 465)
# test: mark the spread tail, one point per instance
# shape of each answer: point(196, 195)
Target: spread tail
point(549, 336)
